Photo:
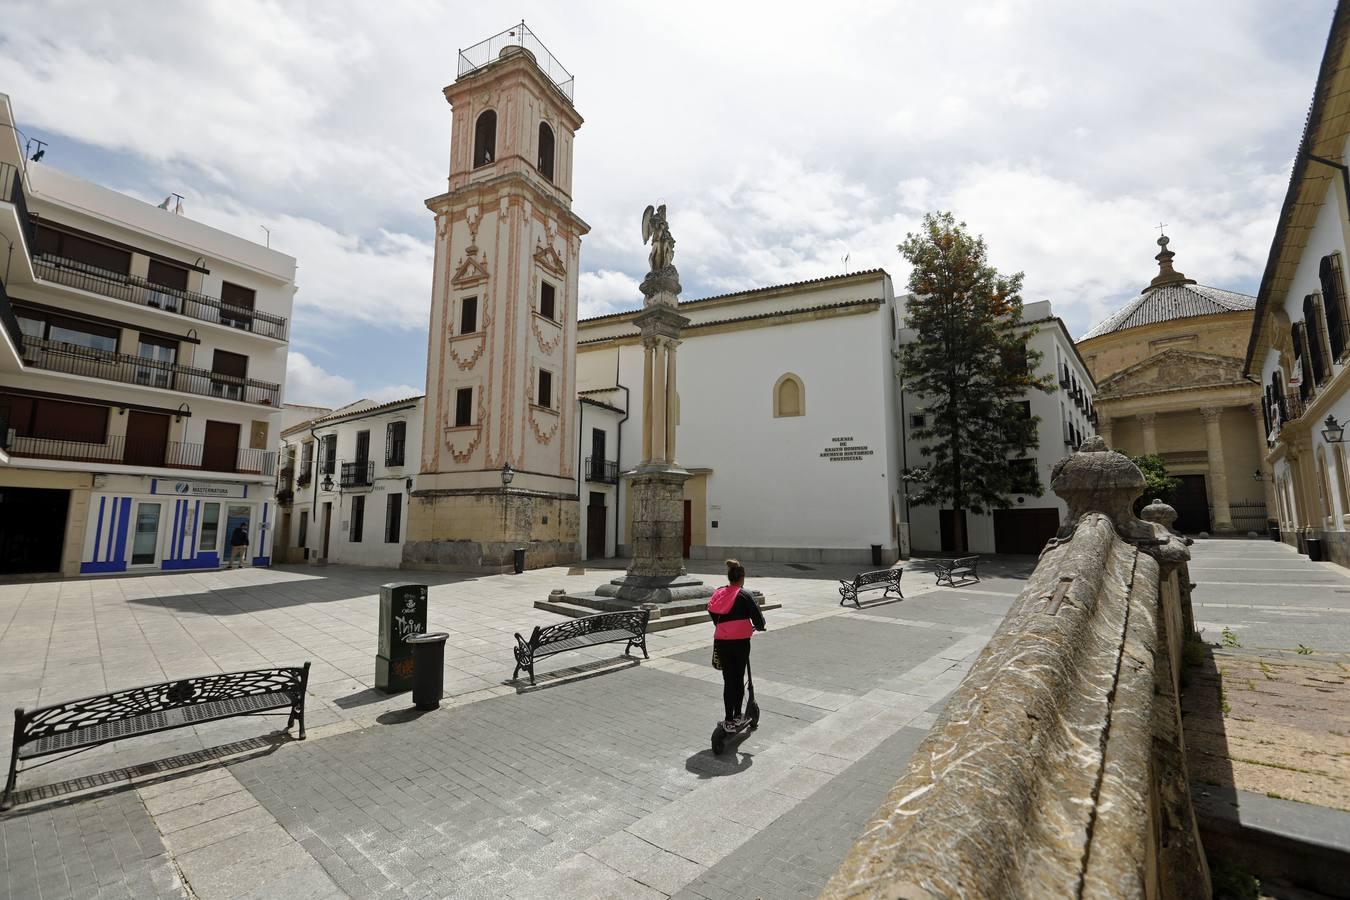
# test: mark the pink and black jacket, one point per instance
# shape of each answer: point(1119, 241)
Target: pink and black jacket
point(735, 613)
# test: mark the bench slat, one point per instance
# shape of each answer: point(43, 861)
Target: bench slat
point(585, 640)
point(151, 722)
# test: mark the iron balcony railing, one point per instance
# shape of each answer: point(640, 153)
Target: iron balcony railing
point(117, 450)
point(605, 471)
point(358, 474)
point(11, 190)
point(488, 51)
point(9, 321)
point(304, 477)
point(72, 273)
point(57, 356)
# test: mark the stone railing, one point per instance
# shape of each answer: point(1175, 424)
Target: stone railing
point(1058, 768)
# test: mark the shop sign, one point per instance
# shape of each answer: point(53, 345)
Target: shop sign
point(198, 488)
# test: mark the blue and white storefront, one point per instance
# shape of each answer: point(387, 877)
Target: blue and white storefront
point(159, 524)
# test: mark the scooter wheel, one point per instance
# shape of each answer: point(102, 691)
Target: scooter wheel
point(719, 741)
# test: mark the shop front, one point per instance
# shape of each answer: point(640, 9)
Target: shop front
point(145, 524)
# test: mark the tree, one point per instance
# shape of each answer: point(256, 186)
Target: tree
point(971, 364)
point(1157, 483)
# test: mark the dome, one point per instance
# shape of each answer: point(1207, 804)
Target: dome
point(1171, 295)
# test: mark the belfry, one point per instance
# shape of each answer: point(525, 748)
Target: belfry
point(498, 465)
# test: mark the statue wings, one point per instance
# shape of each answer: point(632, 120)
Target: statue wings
point(647, 215)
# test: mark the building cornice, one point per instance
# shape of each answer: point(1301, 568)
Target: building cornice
point(507, 184)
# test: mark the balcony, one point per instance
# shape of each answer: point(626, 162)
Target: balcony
point(116, 450)
point(56, 356)
point(10, 324)
point(605, 471)
point(357, 474)
point(69, 272)
point(488, 51)
point(11, 191)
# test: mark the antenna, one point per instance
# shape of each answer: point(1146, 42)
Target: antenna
point(268, 232)
point(178, 206)
point(845, 260)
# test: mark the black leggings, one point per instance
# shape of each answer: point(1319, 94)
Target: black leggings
point(735, 656)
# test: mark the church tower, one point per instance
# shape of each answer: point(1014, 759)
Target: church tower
point(499, 454)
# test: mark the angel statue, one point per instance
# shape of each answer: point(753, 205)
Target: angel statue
point(656, 230)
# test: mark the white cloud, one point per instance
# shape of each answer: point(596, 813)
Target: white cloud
point(785, 140)
point(312, 385)
point(605, 292)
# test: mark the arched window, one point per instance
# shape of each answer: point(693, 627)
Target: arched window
point(485, 138)
point(789, 397)
point(545, 151)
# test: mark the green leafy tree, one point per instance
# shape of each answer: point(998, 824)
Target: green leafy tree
point(1157, 483)
point(971, 364)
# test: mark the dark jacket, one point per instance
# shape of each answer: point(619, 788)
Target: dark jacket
point(239, 538)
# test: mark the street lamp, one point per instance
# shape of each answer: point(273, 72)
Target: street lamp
point(327, 482)
point(507, 473)
point(1257, 476)
point(1333, 432)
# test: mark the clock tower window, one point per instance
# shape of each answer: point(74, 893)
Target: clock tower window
point(485, 139)
point(546, 151)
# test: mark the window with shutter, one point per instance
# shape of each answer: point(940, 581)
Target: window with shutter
point(358, 518)
point(463, 407)
point(468, 315)
point(394, 438)
point(546, 388)
point(328, 459)
point(1334, 300)
point(548, 301)
point(228, 371)
point(392, 514)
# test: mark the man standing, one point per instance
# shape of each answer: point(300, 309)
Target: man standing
point(238, 545)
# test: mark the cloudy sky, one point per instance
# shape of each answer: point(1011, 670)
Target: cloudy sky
point(782, 136)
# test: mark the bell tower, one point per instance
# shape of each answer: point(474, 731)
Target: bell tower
point(498, 462)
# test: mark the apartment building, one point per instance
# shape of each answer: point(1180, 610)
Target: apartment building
point(345, 481)
point(142, 356)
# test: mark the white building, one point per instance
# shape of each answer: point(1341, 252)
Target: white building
point(345, 482)
point(790, 417)
point(1067, 417)
point(1300, 342)
point(141, 367)
point(784, 418)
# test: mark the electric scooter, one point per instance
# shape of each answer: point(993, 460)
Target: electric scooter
point(744, 724)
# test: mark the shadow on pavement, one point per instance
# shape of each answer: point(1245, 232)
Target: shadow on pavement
point(401, 716)
point(361, 698)
point(580, 672)
point(706, 765)
point(113, 781)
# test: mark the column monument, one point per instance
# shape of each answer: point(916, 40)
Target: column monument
point(657, 578)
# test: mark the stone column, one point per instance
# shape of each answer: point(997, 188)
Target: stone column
point(1104, 428)
point(1267, 476)
point(648, 351)
point(659, 404)
point(670, 401)
point(1218, 478)
point(1146, 421)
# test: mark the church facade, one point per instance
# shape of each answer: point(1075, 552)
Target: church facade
point(1169, 371)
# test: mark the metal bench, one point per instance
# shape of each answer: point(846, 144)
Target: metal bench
point(962, 567)
point(586, 631)
point(78, 725)
point(864, 581)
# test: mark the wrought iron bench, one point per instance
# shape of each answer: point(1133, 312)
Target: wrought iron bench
point(865, 581)
point(78, 725)
point(962, 567)
point(586, 631)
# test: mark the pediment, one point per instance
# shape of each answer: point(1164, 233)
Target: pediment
point(1173, 370)
point(548, 258)
point(470, 270)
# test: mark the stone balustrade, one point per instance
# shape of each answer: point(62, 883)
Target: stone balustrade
point(1058, 768)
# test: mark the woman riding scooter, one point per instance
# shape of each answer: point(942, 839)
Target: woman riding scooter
point(736, 614)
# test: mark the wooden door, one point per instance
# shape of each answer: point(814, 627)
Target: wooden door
point(327, 527)
point(220, 452)
point(1192, 505)
point(947, 526)
point(597, 519)
point(1024, 530)
point(688, 526)
point(147, 439)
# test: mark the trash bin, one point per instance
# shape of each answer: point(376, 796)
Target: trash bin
point(876, 555)
point(428, 668)
point(1274, 528)
point(520, 560)
point(1315, 549)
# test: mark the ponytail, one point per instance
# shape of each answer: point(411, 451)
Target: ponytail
point(735, 571)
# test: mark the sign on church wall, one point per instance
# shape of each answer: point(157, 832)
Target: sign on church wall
point(842, 449)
